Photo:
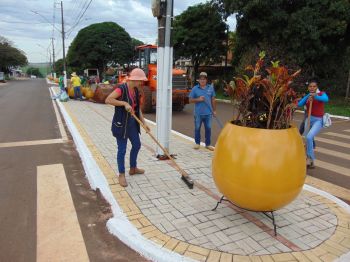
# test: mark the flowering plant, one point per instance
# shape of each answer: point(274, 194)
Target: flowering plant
point(264, 99)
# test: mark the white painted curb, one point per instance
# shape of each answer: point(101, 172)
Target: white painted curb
point(118, 225)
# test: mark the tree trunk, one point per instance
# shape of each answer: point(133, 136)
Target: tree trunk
point(195, 71)
point(348, 88)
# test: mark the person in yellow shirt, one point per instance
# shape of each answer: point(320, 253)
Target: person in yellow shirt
point(76, 84)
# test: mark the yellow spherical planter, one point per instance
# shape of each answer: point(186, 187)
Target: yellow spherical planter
point(259, 169)
point(89, 93)
point(71, 92)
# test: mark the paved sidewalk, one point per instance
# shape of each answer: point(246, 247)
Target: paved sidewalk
point(165, 211)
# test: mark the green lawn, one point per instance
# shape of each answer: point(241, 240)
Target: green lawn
point(335, 106)
point(338, 106)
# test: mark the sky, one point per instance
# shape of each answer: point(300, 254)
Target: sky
point(29, 23)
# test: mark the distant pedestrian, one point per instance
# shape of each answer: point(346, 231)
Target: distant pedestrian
point(203, 96)
point(61, 82)
point(318, 99)
point(126, 100)
point(61, 86)
point(76, 84)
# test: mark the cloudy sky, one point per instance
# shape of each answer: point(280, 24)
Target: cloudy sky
point(26, 22)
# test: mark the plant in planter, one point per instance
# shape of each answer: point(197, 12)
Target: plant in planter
point(259, 159)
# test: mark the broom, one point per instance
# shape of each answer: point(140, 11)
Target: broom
point(184, 176)
point(308, 122)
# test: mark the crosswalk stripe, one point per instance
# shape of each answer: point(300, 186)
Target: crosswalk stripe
point(32, 143)
point(347, 130)
point(59, 237)
point(332, 153)
point(334, 168)
point(332, 142)
point(337, 135)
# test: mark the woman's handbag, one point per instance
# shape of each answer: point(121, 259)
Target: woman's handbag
point(327, 122)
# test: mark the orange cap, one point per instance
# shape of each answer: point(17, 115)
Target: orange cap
point(137, 74)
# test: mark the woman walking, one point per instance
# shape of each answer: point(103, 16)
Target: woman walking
point(314, 100)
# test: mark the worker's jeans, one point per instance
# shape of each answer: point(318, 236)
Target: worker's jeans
point(198, 120)
point(77, 92)
point(316, 124)
point(133, 136)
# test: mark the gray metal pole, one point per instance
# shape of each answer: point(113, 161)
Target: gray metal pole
point(53, 56)
point(348, 88)
point(63, 48)
point(164, 77)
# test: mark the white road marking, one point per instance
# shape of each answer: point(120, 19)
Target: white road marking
point(336, 135)
point(59, 237)
point(334, 168)
point(32, 143)
point(59, 119)
point(332, 153)
point(332, 142)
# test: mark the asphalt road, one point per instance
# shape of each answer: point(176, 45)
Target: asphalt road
point(330, 167)
point(28, 139)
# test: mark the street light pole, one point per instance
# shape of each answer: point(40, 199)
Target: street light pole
point(53, 58)
point(164, 74)
point(63, 48)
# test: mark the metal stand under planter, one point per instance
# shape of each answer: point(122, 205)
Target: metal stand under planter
point(266, 213)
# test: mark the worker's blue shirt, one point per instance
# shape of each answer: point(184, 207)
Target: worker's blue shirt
point(203, 108)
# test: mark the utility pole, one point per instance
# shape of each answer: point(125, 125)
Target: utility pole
point(53, 57)
point(50, 62)
point(348, 88)
point(163, 10)
point(63, 48)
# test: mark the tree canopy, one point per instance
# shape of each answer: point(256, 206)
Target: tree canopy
point(100, 45)
point(199, 34)
point(312, 34)
point(34, 71)
point(10, 56)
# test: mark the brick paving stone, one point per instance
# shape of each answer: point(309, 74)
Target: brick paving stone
point(182, 213)
point(225, 257)
point(214, 256)
point(238, 236)
point(229, 247)
point(205, 225)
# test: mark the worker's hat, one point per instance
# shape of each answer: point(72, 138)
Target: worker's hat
point(203, 74)
point(74, 74)
point(137, 74)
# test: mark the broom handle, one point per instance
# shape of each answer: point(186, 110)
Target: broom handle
point(183, 173)
point(309, 115)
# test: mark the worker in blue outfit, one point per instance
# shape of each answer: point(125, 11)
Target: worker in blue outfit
point(203, 96)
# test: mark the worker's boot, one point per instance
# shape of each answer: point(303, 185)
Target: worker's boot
point(122, 180)
point(136, 171)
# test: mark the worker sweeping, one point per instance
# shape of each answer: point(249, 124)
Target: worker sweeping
point(126, 100)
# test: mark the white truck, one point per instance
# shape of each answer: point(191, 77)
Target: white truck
point(2, 77)
point(92, 75)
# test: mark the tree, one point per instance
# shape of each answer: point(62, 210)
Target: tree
point(10, 56)
point(59, 66)
point(312, 34)
point(199, 34)
point(34, 71)
point(100, 45)
point(135, 43)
